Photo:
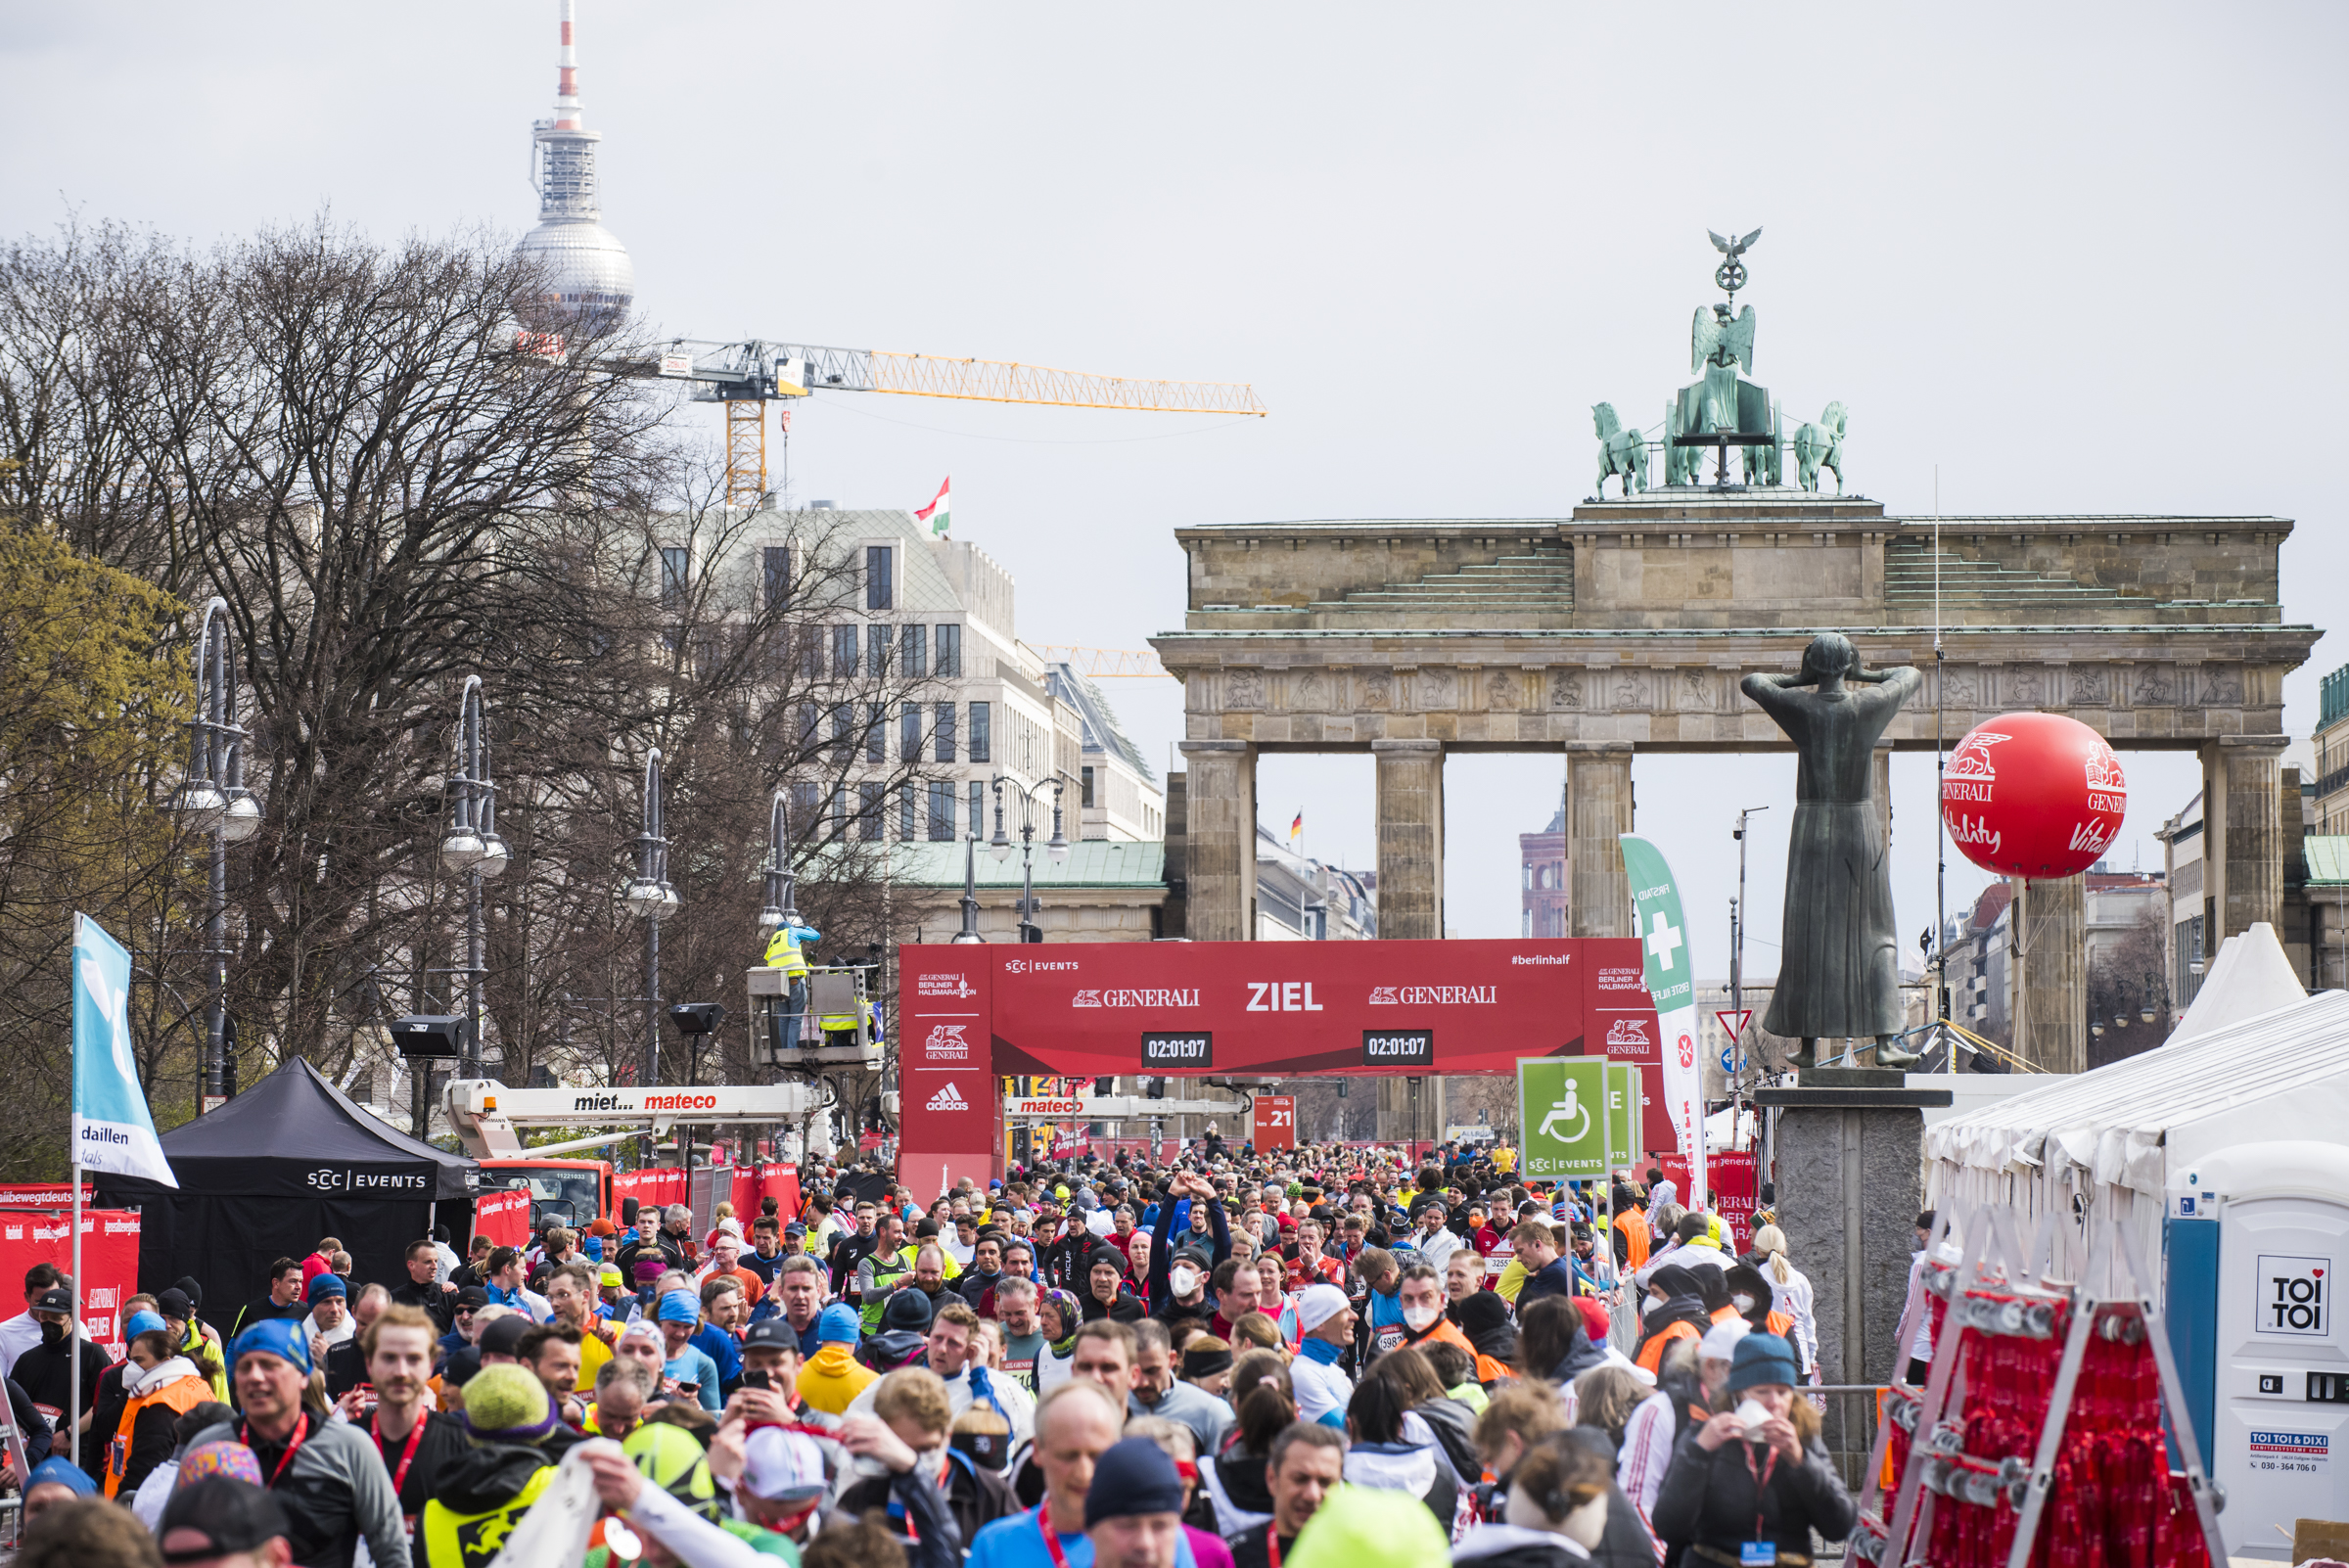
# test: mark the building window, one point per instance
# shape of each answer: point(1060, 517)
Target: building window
point(811, 652)
point(811, 725)
point(876, 650)
point(1529, 923)
point(978, 808)
point(876, 733)
point(949, 652)
point(677, 565)
point(870, 821)
point(910, 825)
point(845, 655)
point(840, 813)
point(804, 801)
point(981, 723)
point(1084, 786)
point(913, 659)
point(910, 732)
point(777, 560)
point(843, 731)
point(880, 578)
point(941, 733)
point(941, 813)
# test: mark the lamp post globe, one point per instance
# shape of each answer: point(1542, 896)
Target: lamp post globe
point(1057, 848)
point(201, 805)
point(771, 921)
point(241, 819)
point(643, 896)
point(668, 902)
point(494, 858)
point(461, 851)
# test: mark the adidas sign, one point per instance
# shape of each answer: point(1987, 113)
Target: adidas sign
point(946, 1099)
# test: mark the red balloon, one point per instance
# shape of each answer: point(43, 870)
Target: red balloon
point(2033, 795)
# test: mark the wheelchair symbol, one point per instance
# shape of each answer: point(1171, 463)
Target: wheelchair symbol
point(1568, 1107)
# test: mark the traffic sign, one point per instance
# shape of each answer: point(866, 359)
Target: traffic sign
point(1735, 1022)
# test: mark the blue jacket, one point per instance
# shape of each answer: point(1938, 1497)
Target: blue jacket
point(723, 1349)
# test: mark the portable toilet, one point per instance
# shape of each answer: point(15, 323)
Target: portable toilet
point(2253, 1235)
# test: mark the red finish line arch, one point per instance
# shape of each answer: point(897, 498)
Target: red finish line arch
point(971, 1015)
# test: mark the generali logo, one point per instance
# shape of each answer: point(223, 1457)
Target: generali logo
point(1628, 1032)
point(946, 1044)
point(1433, 996)
point(956, 986)
point(1970, 773)
point(1135, 998)
point(947, 1100)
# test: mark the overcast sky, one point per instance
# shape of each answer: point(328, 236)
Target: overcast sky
point(2067, 254)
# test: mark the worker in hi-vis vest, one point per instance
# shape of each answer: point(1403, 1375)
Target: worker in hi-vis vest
point(786, 950)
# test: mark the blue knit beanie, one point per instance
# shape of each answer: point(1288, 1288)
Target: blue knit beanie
point(1762, 1359)
point(1133, 1476)
point(839, 1325)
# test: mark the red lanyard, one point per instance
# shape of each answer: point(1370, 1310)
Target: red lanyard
point(407, 1456)
point(1761, 1477)
point(1272, 1543)
point(301, 1429)
point(1044, 1527)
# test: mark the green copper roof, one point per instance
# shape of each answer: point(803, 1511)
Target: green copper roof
point(2327, 859)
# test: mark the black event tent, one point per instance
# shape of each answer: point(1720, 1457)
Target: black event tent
point(264, 1176)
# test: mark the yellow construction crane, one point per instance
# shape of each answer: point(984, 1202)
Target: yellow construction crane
point(1104, 664)
point(746, 376)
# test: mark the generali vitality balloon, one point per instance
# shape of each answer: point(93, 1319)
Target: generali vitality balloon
point(2033, 795)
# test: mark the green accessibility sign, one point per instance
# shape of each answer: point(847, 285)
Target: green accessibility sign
point(1562, 1109)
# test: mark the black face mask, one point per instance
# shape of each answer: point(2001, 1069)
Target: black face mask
point(51, 1333)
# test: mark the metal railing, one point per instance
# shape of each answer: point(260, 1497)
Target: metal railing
point(1848, 1427)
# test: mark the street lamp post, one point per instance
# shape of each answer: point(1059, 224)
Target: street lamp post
point(651, 898)
point(780, 910)
point(1000, 845)
point(473, 848)
point(213, 799)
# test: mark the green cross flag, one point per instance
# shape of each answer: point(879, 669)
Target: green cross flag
point(1663, 933)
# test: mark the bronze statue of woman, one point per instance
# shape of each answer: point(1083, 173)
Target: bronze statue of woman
point(1839, 973)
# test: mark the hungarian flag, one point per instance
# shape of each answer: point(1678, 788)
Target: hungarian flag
point(936, 514)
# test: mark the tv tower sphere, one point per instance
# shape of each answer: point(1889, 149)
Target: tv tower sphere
point(590, 281)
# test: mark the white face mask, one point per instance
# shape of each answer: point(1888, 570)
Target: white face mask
point(1184, 1280)
point(1418, 1317)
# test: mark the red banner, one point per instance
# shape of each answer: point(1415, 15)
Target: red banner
point(504, 1217)
point(1278, 1009)
point(1734, 1181)
point(110, 1260)
point(1275, 1122)
point(44, 1194)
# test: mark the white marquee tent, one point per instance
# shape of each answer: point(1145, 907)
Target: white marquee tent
point(2110, 1140)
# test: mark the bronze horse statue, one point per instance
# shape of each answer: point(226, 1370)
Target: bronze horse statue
point(1622, 452)
point(1821, 445)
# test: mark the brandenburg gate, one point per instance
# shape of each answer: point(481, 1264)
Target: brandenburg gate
point(1625, 627)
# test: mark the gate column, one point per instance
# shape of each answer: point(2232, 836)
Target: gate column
point(2051, 1014)
point(1220, 851)
point(1410, 839)
point(2242, 817)
point(1598, 807)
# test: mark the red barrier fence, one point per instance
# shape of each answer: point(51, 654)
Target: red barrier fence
point(504, 1217)
point(110, 1260)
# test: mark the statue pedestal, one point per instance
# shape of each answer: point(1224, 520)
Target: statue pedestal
point(1847, 1160)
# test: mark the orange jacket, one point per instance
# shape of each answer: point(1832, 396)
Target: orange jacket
point(1634, 1225)
point(1651, 1354)
point(179, 1396)
point(1488, 1368)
